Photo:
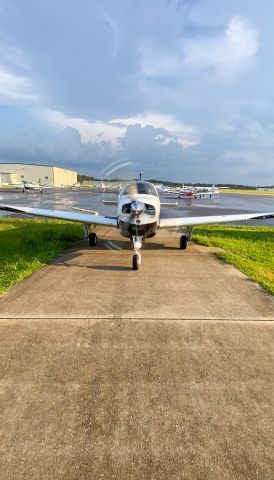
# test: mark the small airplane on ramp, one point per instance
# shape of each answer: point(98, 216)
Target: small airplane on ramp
point(26, 185)
point(138, 217)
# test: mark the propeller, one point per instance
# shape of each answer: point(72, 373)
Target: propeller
point(137, 208)
point(120, 170)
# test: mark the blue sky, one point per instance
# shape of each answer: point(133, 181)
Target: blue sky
point(183, 89)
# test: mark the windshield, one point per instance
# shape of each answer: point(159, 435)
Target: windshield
point(143, 188)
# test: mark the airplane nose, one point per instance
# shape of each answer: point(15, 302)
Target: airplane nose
point(137, 208)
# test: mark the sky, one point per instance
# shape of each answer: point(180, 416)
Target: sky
point(181, 89)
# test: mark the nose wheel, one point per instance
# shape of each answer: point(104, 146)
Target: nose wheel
point(136, 259)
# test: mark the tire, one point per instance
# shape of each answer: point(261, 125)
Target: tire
point(135, 262)
point(92, 239)
point(183, 242)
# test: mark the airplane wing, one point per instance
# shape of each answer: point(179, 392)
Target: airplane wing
point(63, 215)
point(191, 221)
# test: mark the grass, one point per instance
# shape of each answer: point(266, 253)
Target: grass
point(248, 192)
point(26, 245)
point(250, 249)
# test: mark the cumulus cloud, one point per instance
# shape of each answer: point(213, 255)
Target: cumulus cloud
point(63, 148)
point(229, 156)
point(140, 147)
point(227, 52)
point(113, 130)
point(90, 131)
point(185, 135)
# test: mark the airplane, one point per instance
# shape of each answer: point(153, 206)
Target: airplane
point(162, 188)
point(138, 217)
point(206, 191)
point(191, 192)
point(26, 185)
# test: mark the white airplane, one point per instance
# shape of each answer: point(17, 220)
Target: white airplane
point(25, 185)
point(162, 188)
point(138, 217)
point(206, 191)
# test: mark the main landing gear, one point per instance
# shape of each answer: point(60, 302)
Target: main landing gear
point(137, 245)
point(184, 239)
point(92, 239)
point(90, 236)
point(183, 242)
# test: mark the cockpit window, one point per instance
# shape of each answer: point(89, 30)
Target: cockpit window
point(142, 188)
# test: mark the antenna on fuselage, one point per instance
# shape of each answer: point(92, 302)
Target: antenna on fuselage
point(140, 175)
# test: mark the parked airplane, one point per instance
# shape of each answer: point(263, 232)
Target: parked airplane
point(25, 185)
point(191, 192)
point(206, 191)
point(162, 188)
point(138, 217)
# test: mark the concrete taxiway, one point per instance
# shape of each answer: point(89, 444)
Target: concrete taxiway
point(163, 373)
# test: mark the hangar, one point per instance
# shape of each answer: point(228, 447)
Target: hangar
point(44, 174)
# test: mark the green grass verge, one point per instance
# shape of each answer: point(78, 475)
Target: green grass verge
point(26, 245)
point(247, 192)
point(250, 249)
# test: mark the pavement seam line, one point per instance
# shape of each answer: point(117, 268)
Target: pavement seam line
point(209, 320)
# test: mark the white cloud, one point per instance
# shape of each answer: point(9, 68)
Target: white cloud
point(186, 135)
point(112, 131)
point(15, 88)
point(96, 131)
point(16, 85)
point(227, 52)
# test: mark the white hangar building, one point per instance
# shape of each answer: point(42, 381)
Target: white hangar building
point(44, 174)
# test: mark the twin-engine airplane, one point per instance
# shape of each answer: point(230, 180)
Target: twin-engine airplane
point(138, 217)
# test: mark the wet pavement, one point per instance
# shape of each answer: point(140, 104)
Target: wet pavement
point(66, 199)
